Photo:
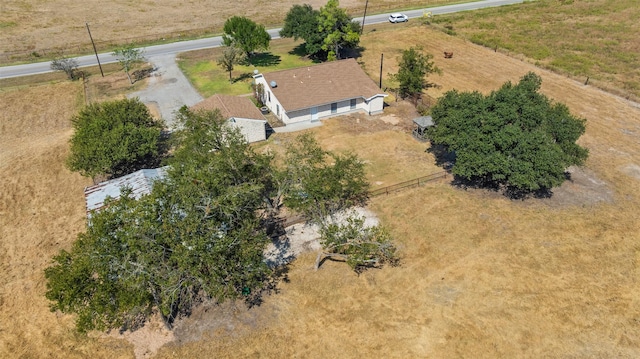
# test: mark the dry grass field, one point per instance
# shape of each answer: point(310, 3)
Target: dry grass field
point(481, 276)
point(32, 29)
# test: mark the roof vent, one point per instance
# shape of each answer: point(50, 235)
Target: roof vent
point(255, 72)
point(273, 84)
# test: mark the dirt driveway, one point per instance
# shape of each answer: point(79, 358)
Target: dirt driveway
point(168, 89)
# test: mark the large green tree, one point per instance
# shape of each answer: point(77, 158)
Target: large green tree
point(198, 235)
point(114, 138)
point(245, 34)
point(338, 30)
point(327, 33)
point(514, 138)
point(302, 22)
point(414, 67)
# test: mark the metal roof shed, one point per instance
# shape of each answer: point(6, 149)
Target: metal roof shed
point(140, 183)
point(422, 123)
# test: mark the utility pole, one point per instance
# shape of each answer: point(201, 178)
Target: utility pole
point(381, 57)
point(94, 49)
point(364, 16)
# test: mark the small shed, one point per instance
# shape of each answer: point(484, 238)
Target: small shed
point(140, 183)
point(422, 123)
point(240, 112)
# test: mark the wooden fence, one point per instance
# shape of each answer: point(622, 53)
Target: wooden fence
point(380, 191)
point(409, 184)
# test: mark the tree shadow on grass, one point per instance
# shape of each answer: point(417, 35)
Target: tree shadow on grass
point(447, 159)
point(264, 59)
point(510, 192)
point(255, 298)
point(300, 50)
point(444, 158)
point(243, 77)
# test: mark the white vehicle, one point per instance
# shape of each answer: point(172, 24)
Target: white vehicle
point(393, 18)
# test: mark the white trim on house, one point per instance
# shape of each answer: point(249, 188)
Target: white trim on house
point(371, 105)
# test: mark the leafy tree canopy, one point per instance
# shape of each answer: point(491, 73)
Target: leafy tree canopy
point(339, 31)
point(245, 34)
point(302, 22)
point(114, 138)
point(197, 235)
point(201, 234)
point(414, 66)
point(514, 138)
point(323, 183)
point(327, 32)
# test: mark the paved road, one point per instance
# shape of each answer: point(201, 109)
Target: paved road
point(183, 46)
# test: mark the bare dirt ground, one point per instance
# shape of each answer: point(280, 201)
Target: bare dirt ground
point(481, 276)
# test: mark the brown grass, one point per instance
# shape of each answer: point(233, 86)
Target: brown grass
point(481, 276)
point(41, 211)
point(47, 29)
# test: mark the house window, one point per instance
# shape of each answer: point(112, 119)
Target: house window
point(353, 104)
point(334, 107)
point(277, 110)
point(269, 95)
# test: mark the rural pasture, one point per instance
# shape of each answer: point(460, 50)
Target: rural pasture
point(481, 276)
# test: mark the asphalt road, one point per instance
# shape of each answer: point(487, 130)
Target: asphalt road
point(183, 46)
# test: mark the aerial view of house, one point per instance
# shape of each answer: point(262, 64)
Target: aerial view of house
point(313, 93)
point(323, 180)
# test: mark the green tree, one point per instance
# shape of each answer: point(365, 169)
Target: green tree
point(361, 246)
point(414, 67)
point(99, 278)
point(198, 235)
point(514, 138)
point(127, 57)
point(245, 34)
point(230, 57)
point(338, 30)
point(302, 22)
point(324, 186)
point(114, 138)
point(322, 183)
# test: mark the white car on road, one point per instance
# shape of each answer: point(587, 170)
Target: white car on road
point(397, 17)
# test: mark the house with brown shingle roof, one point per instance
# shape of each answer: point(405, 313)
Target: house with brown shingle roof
point(239, 112)
point(315, 92)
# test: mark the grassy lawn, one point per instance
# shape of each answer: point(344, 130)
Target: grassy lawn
point(597, 39)
point(202, 69)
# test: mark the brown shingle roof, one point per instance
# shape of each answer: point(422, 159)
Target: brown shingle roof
point(321, 84)
point(230, 106)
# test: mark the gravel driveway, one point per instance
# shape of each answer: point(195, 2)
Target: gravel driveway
point(168, 89)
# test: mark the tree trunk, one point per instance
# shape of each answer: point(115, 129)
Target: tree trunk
point(129, 76)
point(318, 258)
point(230, 77)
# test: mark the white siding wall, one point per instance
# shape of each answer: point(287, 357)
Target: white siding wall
point(270, 99)
point(253, 130)
point(373, 107)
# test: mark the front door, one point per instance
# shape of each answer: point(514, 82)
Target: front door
point(314, 114)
